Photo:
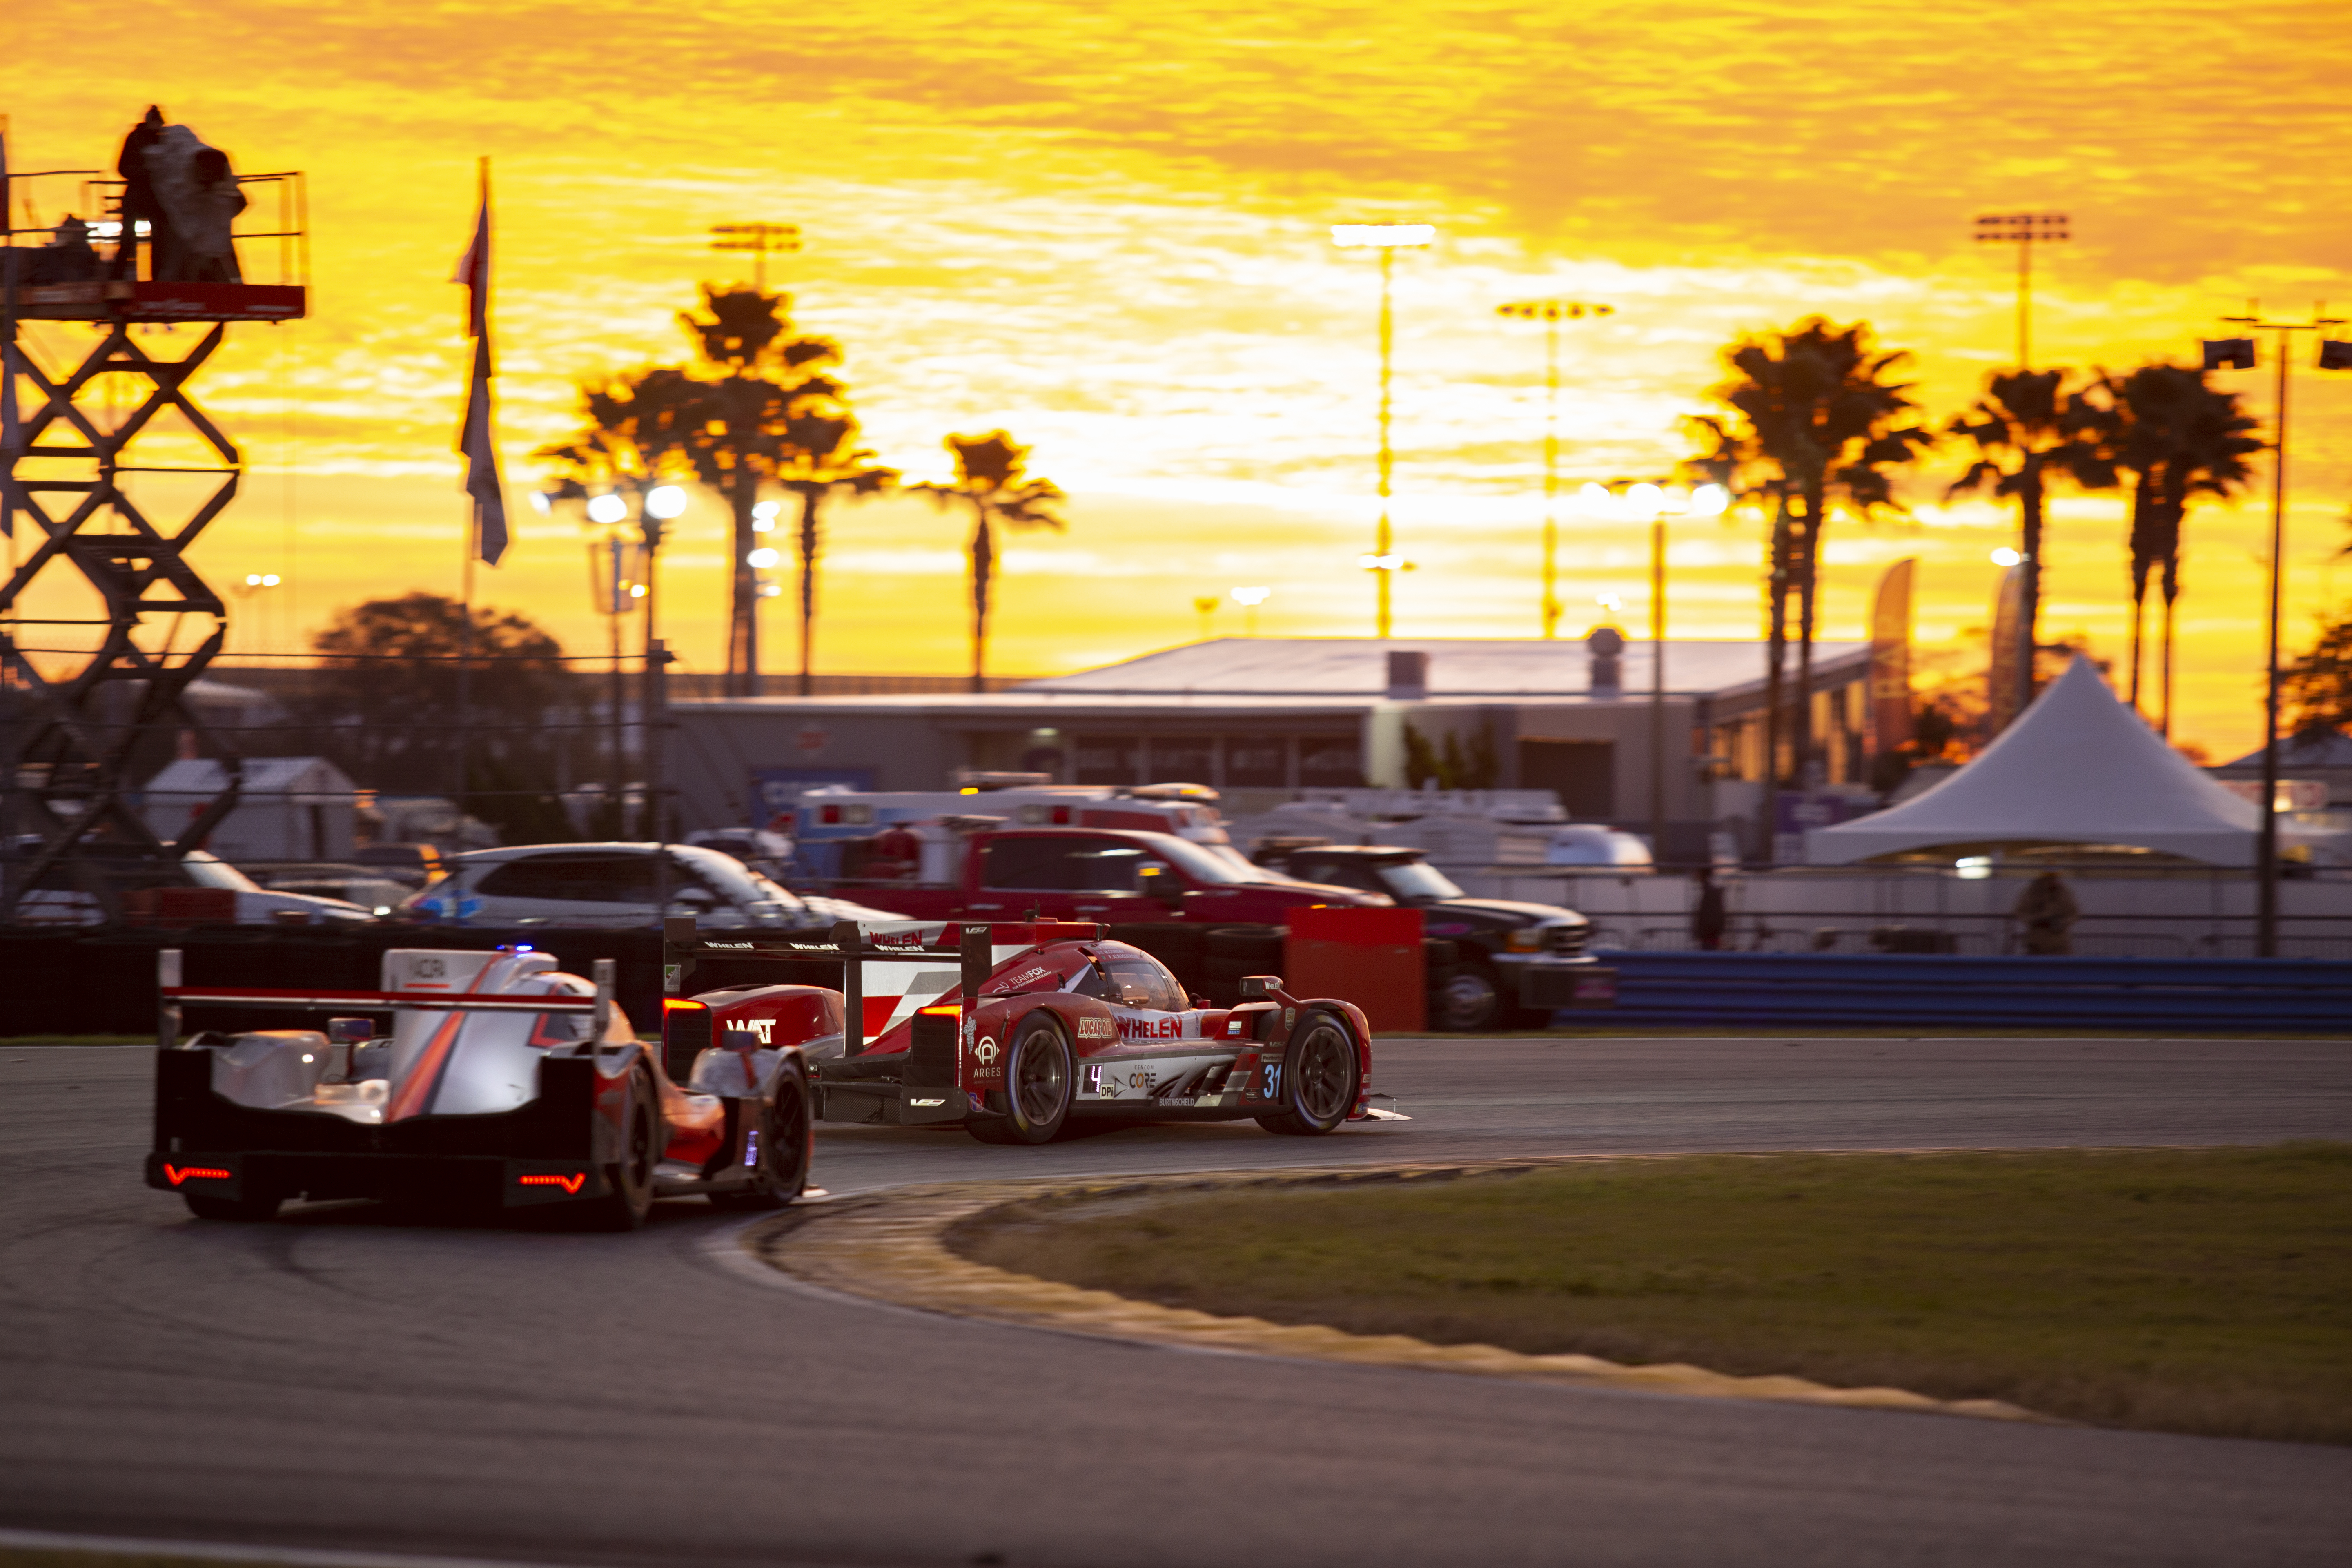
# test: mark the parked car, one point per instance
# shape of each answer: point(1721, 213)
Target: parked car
point(1495, 939)
point(365, 886)
point(617, 884)
point(1080, 874)
point(412, 864)
point(206, 891)
point(766, 853)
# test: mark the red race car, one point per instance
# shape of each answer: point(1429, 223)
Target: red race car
point(1014, 1030)
point(500, 1083)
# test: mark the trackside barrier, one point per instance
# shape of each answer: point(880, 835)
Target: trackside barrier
point(2192, 995)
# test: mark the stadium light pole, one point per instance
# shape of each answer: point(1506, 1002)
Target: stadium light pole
point(1551, 313)
point(2021, 229)
point(1388, 239)
point(2238, 353)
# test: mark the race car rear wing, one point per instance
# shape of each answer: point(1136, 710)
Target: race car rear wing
point(172, 997)
point(853, 945)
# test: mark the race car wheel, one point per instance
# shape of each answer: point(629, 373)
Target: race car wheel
point(1471, 1001)
point(1039, 1084)
point(1319, 1078)
point(247, 1210)
point(631, 1177)
point(783, 1167)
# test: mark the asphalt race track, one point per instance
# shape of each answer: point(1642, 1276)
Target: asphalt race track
point(335, 1380)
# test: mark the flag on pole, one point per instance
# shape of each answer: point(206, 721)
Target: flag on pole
point(475, 442)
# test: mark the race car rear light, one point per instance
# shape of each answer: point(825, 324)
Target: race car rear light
point(942, 1010)
point(686, 1034)
point(175, 1175)
point(570, 1183)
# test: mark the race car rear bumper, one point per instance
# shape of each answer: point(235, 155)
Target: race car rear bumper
point(553, 1149)
point(470, 1179)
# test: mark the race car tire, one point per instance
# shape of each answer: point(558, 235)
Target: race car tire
point(1040, 1081)
point(1320, 1074)
point(629, 1181)
point(1470, 1000)
point(247, 1211)
point(783, 1167)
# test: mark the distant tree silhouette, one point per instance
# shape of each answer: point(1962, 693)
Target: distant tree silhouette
point(387, 693)
point(2055, 436)
point(991, 479)
point(1817, 426)
point(2179, 438)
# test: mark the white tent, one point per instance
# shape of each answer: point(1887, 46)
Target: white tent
point(2077, 767)
point(291, 808)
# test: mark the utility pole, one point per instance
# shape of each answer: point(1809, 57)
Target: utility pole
point(1551, 313)
point(2021, 229)
point(2238, 353)
point(761, 239)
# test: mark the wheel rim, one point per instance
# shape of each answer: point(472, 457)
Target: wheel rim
point(1323, 1083)
point(1469, 1000)
point(779, 1162)
point(1038, 1079)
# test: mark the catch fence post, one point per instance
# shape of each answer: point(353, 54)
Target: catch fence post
point(167, 1009)
point(846, 938)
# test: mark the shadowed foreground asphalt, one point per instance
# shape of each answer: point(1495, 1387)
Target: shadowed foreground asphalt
point(335, 1380)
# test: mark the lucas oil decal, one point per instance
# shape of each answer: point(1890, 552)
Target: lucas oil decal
point(1092, 1028)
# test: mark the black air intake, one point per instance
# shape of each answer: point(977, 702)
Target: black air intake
point(931, 1058)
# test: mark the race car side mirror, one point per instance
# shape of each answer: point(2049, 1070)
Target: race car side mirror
point(1260, 984)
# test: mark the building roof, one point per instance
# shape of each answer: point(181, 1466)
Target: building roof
point(2324, 749)
point(1358, 667)
point(2077, 767)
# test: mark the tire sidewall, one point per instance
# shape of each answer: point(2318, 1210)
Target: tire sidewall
point(1294, 1112)
point(1038, 1031)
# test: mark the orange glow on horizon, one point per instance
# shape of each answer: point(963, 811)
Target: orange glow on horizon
point(1106, 228)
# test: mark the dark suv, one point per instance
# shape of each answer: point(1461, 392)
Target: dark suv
point(1495, 939)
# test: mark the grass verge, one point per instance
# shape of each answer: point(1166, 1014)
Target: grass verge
point(2184, 1290)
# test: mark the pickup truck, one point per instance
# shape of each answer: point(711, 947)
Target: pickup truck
point(1109, 876)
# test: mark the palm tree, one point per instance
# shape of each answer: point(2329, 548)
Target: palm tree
point(2180, 438)
point(743, 436)
point(1819, 427)
point(991, 479)
point(2057, 435)
point(828, 463)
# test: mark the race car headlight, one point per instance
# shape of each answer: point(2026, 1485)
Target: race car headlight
point(1528, 940)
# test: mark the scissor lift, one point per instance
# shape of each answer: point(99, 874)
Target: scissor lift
point(75, 716)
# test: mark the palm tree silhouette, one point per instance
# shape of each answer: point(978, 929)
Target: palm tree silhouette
point(1819, 427)
point(826, 464)
point(991, 479)
point(2056, 436)
point(2180, 438)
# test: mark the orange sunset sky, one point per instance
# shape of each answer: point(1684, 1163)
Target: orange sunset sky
point(1103, 227)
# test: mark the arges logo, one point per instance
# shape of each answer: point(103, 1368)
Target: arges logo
point(985, 1053)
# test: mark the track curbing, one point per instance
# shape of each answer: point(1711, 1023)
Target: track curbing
point(891, 1247)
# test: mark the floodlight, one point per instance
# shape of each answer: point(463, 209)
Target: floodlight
point(2005, 556)
point(665, 501)
point(766, 510)
point(270, 579)
point(1644, 501)
point(1709, 500)
point(1608, 602)
point(1253, 597)
point(762, 558)
point(1381, 563)
point(542, 503)
point(1381, 235)
point(636, 589)
point(772, 590)
point(607, 507)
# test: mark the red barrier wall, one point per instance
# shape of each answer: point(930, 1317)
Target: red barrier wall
point(1368, 956)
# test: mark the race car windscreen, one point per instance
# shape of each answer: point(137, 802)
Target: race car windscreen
point(1138, 979)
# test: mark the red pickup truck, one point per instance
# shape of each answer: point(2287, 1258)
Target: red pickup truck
point(1108, 877)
